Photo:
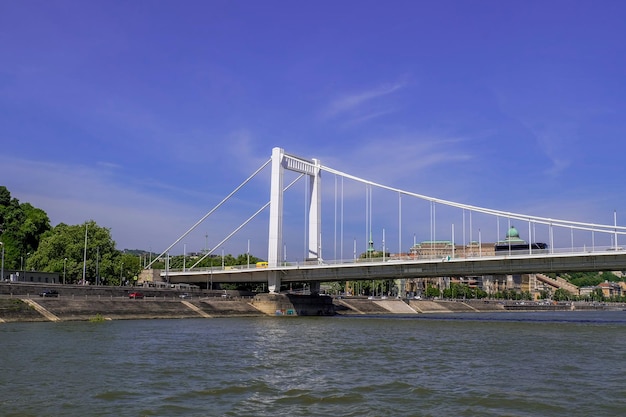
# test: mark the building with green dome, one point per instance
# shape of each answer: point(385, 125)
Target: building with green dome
point(512, 242)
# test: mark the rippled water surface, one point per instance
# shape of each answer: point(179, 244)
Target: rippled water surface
point(501, 364)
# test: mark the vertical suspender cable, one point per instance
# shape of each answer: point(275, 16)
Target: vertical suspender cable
point(341, 234)
point(507, 235)
point(305, 254)
point(366, 213)
point(434, 221)
point(615, 226)
point(551, 239)
point(497, 228)
point(370, 219)
point(335, 255)
point(530, 247)
point(464, 241)
point(399, 223)
point(471, 228)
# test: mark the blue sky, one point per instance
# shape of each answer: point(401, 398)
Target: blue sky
point(143, 115)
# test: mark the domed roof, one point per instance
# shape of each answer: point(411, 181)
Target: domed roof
point(512, 233)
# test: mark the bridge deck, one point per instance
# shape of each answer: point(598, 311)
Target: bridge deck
point(394, 269)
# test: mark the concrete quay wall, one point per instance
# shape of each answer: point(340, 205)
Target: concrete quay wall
point(76, 308)
point(15, 309)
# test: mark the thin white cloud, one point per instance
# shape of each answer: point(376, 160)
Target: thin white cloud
point(356, 104)
point(109, 165)
point(553, 141)
point(369, 116)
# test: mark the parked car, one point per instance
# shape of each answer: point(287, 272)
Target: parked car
point(49, 293)
point(185, 296)
point(136, 295)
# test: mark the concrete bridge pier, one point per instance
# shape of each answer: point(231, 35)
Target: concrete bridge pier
point(294, 305)
point(314, 287)
point(273, 282)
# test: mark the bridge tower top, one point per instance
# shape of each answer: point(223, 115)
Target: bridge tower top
point(311, 168)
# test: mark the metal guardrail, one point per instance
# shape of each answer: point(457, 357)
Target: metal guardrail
point(537, 253)
point(416, 268)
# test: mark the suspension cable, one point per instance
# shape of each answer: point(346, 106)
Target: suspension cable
point(242, 225)
point(209, 213)
point(516, 216)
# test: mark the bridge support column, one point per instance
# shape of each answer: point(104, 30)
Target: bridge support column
point(276, 209)
point(273, 282)
point(315, 213)
point(312, 168)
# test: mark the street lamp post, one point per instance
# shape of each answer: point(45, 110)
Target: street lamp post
point(2, 273)
point(22, 266)
point(85, 256)
point(222, 259)
point(98, 265)
point(64, 262)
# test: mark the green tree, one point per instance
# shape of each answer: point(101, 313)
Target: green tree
point(243, 260)
point(432, 291)
point(597, 295)
point(62, 249)
point(21, 228)
point(5, 196)
point(129, 269)
point(562, 295)
point(584, 279)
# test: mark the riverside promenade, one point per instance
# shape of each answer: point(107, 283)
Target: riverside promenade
point(76, 308)
point(20, 302)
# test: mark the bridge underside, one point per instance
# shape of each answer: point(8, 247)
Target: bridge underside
point(497, 265)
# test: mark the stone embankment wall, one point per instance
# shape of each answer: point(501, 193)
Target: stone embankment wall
point(88, 308)
point(85, 307)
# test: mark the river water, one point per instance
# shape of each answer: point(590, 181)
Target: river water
point(500, 364)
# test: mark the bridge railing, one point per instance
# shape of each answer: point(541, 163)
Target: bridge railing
point(417, 258)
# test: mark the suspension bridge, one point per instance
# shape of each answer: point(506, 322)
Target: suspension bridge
point(433, 257)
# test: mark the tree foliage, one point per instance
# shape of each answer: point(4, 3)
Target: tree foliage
point(21, 228)
point(562, 295)
point(432, 291)
point(62, 250)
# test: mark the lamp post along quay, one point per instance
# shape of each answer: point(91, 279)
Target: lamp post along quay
point(2, 270)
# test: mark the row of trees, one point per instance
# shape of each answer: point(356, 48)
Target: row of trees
point(464, 291)
point(84, 249)
point(30, 243)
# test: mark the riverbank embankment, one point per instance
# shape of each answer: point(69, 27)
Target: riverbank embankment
point(84, 308)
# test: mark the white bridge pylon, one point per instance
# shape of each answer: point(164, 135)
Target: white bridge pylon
point(281, 162)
